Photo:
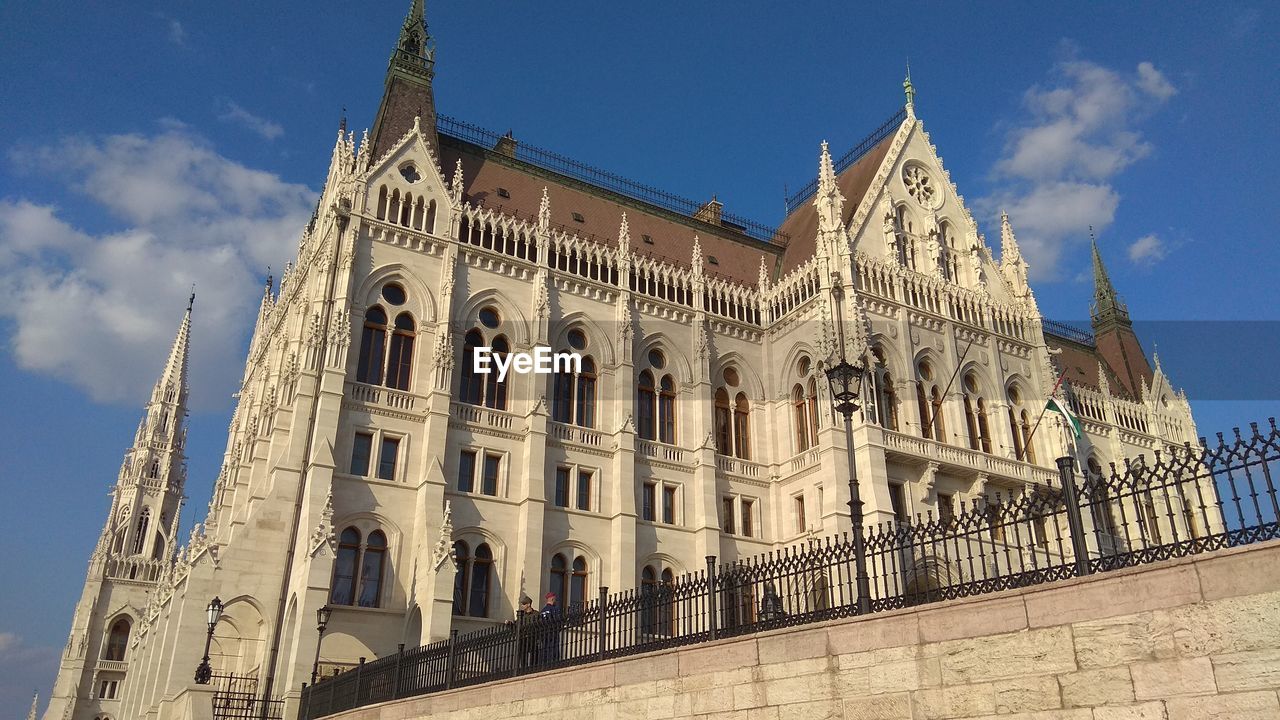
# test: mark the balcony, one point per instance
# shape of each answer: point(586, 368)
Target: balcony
point(660, 451)
point(728, 465)
point(113, 665)
point(384, 397)
point(482, 416)
point(964, 459)
point(576, 435)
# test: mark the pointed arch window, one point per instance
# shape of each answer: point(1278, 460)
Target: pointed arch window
point(372, 346)
point(929, 402)
point(471, 583)
point(568, 580)
point(117, 640)
point(573, 396)
point(646, 400)
point(742, 427)
point(359, 569)
point(382, 203)
point(657, 605)
point(140, 532)
point(815, 418)
point(400, 363)
point(667, 410)
point(883, 402)
point(495, 390)
point(585, 400)
point(800, 412)
point(471, 388)
point(723, 423)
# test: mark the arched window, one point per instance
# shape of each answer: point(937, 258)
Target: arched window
point(975, 414)
point(375, 553)
point(140, 532)
point(393, 210)
point(1020, 426)
point(800, 412)
point(430, 224)
point(815, 418)
point(1028, 448)
point(359, 569)
point(382, 203)
point(157, 550)
point(462, 564)
point(559, 579)
point(657, 616)
point(883, 402)
point(471, 389)
point(343, 589)
point(578, 583)
point(401, 360)
point(481, 572)
point(667, 410)
point(471, 583)
point(372, 345)
point(742, 427)
point(585, 402)
point(418, 211)
point(950, 264)
point(723, 422)
point(907, 243)
point(573, 397)
point(929, 400)
point(646, 399)
point(117, 640)
point(495, 391)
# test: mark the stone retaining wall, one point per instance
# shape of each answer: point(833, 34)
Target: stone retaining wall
point(1191, 639)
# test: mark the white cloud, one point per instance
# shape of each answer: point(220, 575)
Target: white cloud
point(177, 33)
point(1148, 250)
point(1153, 82)
point(234, 113)
point(1055, 174)
point(110, 302)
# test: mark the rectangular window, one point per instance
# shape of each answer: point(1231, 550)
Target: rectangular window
point(584, 490)
point(108, 690)
point(467, 471)
point(748, 517)
point(387, 458)
point(946, 513)
point(361, 448)
point(562, 487)
point(801, 524)
point(489, 483)
point(649, 501)
point(669, 504)
point(898, 498)
point(726, 516)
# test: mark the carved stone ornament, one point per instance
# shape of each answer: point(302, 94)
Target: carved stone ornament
point(323, 534)
point(444, 545)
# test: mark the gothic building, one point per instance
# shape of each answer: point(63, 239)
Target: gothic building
point(370, 468)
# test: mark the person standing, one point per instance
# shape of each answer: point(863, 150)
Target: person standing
point(528, 639)
point(551, 617)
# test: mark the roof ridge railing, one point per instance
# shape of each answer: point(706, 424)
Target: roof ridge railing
point(1069, 331)
point(557, 163)
point(852, 156)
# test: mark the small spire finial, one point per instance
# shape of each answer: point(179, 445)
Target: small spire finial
point(191, 301)
point(907, 88)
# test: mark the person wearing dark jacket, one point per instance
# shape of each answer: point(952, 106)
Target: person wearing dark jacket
point(551, 617)
point(525, 617)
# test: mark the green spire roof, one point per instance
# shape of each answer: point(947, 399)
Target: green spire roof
point(1107, 305)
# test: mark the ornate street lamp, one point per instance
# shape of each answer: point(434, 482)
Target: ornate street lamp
point(322, 619)
point(846, 384)
point(204, 672)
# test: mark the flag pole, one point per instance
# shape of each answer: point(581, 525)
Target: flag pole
point(1043, 410)
point(933, 420)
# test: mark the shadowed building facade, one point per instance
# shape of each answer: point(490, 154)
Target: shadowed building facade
point(370, 468)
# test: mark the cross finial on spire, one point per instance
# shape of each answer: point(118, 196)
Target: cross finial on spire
point(191, 301)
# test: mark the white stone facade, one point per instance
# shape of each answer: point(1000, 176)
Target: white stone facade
point(903, 279)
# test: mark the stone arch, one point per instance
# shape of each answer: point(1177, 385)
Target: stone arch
point(421, 302)
point(600, 343)
point(240, 638)
point(515, 325)
point(677, 360)
point(677, 567)
point(473, 535)
point(412, 636)
point(751, 383)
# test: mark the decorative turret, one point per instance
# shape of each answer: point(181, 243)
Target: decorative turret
point(909, 91)
point(408, 94)
point(1011, 262)
point(828, 200)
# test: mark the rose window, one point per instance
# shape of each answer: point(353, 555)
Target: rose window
point(919, 185)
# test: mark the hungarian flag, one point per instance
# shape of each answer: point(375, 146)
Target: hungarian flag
point(1065, 411)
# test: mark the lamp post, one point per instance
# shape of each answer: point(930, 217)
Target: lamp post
point(846, 383)
point(322, 619)
point(204, 672)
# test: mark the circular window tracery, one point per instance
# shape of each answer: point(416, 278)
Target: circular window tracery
point(657, 360)
point(393, 293)
point(920, 186)
point(490, 318)
point(577, 339)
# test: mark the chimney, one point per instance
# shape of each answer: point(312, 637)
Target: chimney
point(710, 213)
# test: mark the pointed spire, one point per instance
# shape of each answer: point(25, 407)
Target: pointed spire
point(764, 275)
point(1009, 250)
point(408, 92)
point(175, 368)
point(624, 236)
point(455, 186)
point(827, 199)
point(696, 262)
point(544, 211)
point(1107, 306)
point(35, 702)
point(826, 169)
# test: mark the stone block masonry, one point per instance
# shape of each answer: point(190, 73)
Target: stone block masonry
point(1191, 639)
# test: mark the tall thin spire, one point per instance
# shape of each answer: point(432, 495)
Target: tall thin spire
point(408, 94)
point(1107, 306)
point(175, 368)
point(35, 701)
point(909, 90)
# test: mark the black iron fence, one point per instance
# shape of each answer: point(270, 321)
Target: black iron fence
point(1182, 502)
point(236, 697)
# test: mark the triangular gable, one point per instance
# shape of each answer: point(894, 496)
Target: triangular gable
point(410, 167)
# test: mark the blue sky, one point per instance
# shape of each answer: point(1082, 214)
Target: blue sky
point(151, 146)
